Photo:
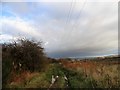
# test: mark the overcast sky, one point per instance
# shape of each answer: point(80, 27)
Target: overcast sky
point(67, 29)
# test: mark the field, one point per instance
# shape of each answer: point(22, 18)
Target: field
point(86, 73)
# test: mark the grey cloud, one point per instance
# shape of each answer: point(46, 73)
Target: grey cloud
point(85, 52)
point(94, 32)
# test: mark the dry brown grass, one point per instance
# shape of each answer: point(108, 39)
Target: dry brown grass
point(102, 71)
point(21, 77)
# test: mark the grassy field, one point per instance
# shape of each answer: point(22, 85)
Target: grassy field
point(105, 72)
point(80, 74)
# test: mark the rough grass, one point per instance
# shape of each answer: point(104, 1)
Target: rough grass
point(98, 75)
point(104, 74)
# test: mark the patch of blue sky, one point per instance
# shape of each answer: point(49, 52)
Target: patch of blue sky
point(34, 10)
point(7, 13)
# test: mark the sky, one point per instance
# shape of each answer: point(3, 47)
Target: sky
point(71, 28)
